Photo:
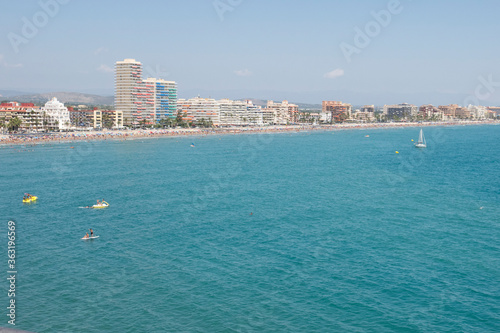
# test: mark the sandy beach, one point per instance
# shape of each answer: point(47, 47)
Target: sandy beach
point(127, 134)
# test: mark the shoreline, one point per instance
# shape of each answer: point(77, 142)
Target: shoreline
point(127, 134)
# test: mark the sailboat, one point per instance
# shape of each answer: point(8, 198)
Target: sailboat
point(421, 140)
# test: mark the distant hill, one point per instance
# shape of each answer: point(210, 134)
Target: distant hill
point(66, 98)
point(308, 106)
point(6, 94)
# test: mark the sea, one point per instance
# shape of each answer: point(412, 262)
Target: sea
point(322, 231)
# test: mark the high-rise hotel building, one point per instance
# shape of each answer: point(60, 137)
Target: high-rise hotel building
point(159, 98)
point(142, 101)
point(128, 73)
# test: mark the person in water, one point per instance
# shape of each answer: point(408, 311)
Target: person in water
point(91, 232)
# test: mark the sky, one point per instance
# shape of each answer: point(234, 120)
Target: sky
point(359, 51)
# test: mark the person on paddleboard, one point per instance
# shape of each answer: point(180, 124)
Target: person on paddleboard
point(91, 232)
point(86, 235)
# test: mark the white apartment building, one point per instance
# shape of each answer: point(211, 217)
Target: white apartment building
point(196, 109)
point(276, 113)
point(477, 112)
point(238, 113)
point(255, 114)
point(56, 114)
point(363, 116)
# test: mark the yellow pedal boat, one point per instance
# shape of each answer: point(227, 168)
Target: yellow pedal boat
point(30, 199)
point(103, 204)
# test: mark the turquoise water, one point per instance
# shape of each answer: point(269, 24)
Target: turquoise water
point(300, 232)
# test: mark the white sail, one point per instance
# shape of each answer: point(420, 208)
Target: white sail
point(421, 140)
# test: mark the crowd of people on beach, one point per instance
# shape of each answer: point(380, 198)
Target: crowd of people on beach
point(127, 134)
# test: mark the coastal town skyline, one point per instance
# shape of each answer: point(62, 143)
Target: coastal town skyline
point(152, 102)
point(378, 52)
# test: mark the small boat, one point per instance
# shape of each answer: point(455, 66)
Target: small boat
point(421, 140)
point(103, 204)
point(29, 199)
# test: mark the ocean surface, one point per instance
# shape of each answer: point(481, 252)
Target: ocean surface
point(293, 232)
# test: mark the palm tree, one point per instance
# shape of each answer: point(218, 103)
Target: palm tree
point(2, 123)
point(107, 121)
point(31, 114)
point(36, 124)
point(45, 121)
point(14, 124)
point(179, 121)
point(126, 120)
point(342, 117)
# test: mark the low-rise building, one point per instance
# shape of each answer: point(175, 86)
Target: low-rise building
point(107, 119)
point(449, 111)
point(462, 113)
point(309, 117)
point(81, 118)
point(29, 115)
point(493, 111)
point(335, 111)
point(96, 118)
point(279, 113)
point(429, 111)
point(363, 116)
point(400, 111)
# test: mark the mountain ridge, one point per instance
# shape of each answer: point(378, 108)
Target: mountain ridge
point(63, 97)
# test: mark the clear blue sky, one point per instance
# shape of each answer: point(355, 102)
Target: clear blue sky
point(430, 51)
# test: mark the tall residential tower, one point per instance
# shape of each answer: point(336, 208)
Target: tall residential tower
point(143, 102)
point(128, 74)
